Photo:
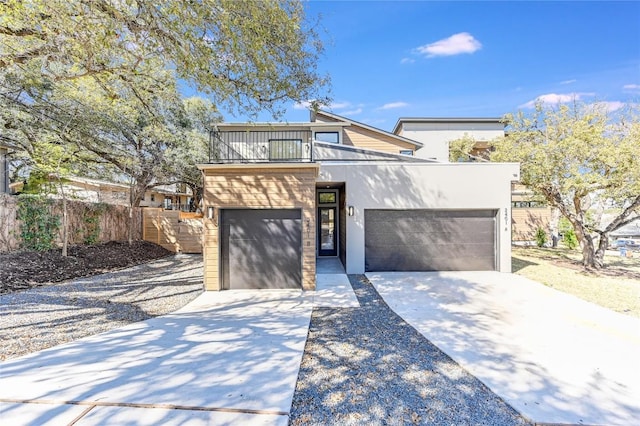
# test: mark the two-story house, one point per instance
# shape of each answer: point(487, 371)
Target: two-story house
point(277, 196)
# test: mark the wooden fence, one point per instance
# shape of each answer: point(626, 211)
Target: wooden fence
point(113, 223)
point(174, 230)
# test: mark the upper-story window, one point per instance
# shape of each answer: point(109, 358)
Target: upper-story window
point(330, 137)
point(406, 151)
point(285, 149)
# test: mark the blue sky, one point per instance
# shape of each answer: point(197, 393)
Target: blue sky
point(390, 59)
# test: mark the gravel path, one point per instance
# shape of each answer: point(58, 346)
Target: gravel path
point(43, 317)
point(367, 366)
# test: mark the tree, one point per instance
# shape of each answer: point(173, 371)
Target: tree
point(182, 159)
point(248, 56)
point(579, 157)
point(465, 149)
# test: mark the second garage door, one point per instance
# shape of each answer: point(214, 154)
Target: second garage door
point(430, 240)
point(261, 248)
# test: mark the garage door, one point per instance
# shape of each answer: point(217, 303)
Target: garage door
point(430, 240)
point(261, 248)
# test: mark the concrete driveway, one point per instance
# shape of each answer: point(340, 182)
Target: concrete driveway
point(555, 358)
point(226, 358)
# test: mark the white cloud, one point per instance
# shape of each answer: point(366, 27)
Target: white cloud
point(393, 105)
point(352, 112)
point(332, 106)
point(610, 106)
point(339, 105)
point(407, 61)
point(455, 45)
point(632, 87)
point(302, 105)
point(568, 81)
point(556, 98)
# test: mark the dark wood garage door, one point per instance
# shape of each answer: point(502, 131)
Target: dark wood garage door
point(261, 248)
point(430, 240)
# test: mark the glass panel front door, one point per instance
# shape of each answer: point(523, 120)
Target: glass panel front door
point(327, 231)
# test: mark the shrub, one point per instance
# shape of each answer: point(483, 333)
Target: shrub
point(91, 216)
point(541, 237)
point(570, 239)
point(39, 226)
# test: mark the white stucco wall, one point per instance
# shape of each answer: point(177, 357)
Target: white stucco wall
point(424, 186)
point(436, 136)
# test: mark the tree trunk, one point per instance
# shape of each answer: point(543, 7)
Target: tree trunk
point(136, 194)
point(65, 227)
point(65, 221)
point(602, 247)
point(590, 259)
point(196, 191)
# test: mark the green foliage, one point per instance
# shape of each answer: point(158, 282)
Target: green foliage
point(38, 227)
point(91, 217)
point(460, 149)
point(250, 55)
point(564, 225)
point(541, 237)
point(580, 158)
point(570, 239)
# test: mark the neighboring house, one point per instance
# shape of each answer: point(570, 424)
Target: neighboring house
point(4, 169)
point(528, 214)
point(629, 231)
point(100, 191)
point(436, 133)
point(276, 196)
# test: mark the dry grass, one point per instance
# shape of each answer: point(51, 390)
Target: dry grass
point(616, 287)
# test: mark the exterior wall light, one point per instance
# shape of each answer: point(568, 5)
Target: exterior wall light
point(210, 212)
point(351, 210)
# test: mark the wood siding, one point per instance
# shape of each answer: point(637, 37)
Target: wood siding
point(526, 221)
point(259, 187)
point(364, 138)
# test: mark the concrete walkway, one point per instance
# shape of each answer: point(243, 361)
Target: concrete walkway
point(553, 357)
point(228, 357)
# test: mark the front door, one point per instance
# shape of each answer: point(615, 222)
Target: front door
point(328, 222)
point(327, 231)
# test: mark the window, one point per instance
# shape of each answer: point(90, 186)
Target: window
point(153, 197)
point(406, 151)
point(327, 198)
point(285, 149)
point(528, 204)
point(330, 137)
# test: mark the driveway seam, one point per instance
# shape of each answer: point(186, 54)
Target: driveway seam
point(81, 415)
point(94, 404)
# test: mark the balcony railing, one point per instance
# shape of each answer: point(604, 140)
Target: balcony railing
point(260, 146)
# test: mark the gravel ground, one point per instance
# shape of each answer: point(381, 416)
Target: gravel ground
point(43, 317)
point(367, 366)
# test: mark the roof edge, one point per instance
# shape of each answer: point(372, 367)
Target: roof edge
point(445, 120)
point(373, 129)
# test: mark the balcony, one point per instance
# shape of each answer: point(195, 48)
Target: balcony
point(250, 146)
